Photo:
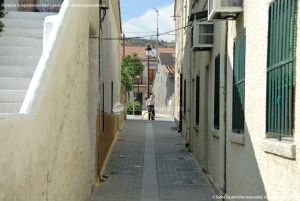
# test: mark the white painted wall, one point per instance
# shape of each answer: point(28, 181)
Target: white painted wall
point(94, 100)
point(110, 51)
point(251, 170)
point(163, 88)
point(46, 151)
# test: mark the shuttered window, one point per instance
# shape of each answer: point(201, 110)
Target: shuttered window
point(238, 98)
point(197, 100)
point(217, 93)
point(281, 68)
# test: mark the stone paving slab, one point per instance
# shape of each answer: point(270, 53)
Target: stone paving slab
point(173, 174)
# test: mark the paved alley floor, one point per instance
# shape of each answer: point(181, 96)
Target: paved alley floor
point(150, 163)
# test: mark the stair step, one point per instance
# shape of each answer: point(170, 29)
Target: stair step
point(18, 32)
point(17, 71)
point(28, 15)
point(20, 51)
point(21, 42)
point(14, 83)
point(19, 61)
point(25, 24)
point(10, 107)
point(12, 96)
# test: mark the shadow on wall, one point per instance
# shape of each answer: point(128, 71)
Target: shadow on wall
point(170, 89)
point(243, 173)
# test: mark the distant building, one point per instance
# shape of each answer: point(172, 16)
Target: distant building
point(163, 86)
point(141, 83)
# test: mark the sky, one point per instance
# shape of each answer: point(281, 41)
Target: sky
point(139, 18)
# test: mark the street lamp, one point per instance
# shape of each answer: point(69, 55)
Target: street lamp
point(148, 54)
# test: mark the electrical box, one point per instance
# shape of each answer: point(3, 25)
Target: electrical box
point(202, 36)
point(224, 9)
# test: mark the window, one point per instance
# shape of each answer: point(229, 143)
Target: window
point(197, 99)
point(238, 85)
point(281, 68)
point(217, 93)
point(151, 76)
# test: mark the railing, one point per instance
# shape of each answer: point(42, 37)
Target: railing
point(238, 97)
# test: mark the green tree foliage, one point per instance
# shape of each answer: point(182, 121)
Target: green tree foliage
point(137, 107)
point(131, 66)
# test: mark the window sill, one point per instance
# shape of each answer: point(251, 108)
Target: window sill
point(237, 138)
point(284, 148)
point(196, 127)
point(215, 134)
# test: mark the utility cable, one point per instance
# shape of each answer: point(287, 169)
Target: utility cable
point(147, 36)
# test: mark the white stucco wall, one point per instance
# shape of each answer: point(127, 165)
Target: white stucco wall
point(251, 171)
point(46, 151)
point(110, 51)
point(202, 135)
point(93, 101)
point(163, 88)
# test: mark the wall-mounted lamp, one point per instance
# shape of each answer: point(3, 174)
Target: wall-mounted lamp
point(103, 8)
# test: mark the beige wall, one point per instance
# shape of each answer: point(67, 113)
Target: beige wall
point(250, 170)
point(49, 152)
point(195, 63)
point(110, 52)
point(43, 149)
point(266, 173)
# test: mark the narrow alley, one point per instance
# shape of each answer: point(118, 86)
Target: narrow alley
point(81, 79)
point(149, 162)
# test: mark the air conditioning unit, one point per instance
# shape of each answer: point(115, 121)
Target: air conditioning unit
point(202, 36)
point(224, 9)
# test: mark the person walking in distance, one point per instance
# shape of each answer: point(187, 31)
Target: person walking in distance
point(150, 106)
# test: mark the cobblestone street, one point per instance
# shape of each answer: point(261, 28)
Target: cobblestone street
point(149, 163)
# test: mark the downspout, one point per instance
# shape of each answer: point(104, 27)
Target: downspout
point(99, 91)
point(225, 108)
point(100, 66)
point(99, 47)
point(190, 108)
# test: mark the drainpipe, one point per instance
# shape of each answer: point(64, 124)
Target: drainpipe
point(99, 47)
point(190, 106)
point(225, 108)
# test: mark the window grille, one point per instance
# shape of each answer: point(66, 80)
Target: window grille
point(238, 96)
point(217, 93)
point(197, 99)
point(281, 68)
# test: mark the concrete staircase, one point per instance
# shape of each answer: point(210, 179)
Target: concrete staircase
point(20, 50)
